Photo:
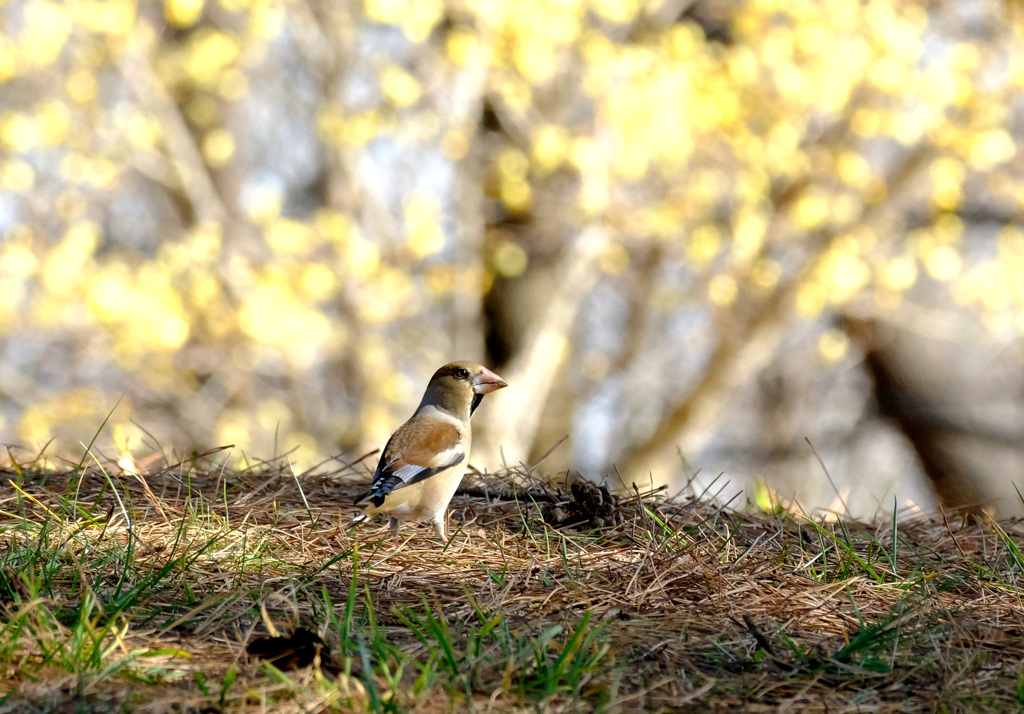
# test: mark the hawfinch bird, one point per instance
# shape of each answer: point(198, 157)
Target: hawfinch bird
point(423, 462)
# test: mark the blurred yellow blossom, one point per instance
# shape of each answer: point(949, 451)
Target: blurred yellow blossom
point(722, 289)
point(400, 86)
point(422, 224)
point(273, 314)
point(183, 13)
point(832, 346)
point(218, 147)
point(287, 235)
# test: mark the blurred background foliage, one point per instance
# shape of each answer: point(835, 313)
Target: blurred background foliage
point(675, 226)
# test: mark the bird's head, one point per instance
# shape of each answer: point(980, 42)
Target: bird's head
point(461, 385)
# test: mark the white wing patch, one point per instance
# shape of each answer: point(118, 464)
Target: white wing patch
point(408, 472)
point(450, 456)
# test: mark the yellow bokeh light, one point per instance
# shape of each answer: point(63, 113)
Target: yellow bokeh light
point(705, 243)
point(17, 262)
point(218, 147)
point(947, 170)
point(996, 295)
point(722, 290)
point(899, 274)
point(18, 132)
point(766, 274)
point(52, 119)
point(513, 164)
point(35, 425)
point(274, 315)
point(183, 13)
point(947, 228)
point(358, 130)
point(888, 73)
point(516, 93)
point(234, 428)
point(205, 242)
point(1011, 242)
point(516, 195)
point(947, 197)
point(127, 435)
point(509, 259)
point(81, 86)
point(47, 27)
point(330, 125)
point(423, 224)
point(111, 17)
point(101, 172)
point(853, 169)
point(108, 294)
point(586, 154)
point(318, 281)
point(17, 176)
point(391, 297)
point(361, 256)
point(399, 86)
point(811, 299)
point(533, 57)
point(465, 48)
point(748, 230)
point(843, 274)
point(377, 421)
point(417, 18)
point(617, 11)
point(614, 259)
point(263, 205)
point(272, 414)
point(943, 263)
point(832, 346)
point(287, 235)
point(439, 279)
point(210, 53)
point(233, 85)
point(333, 225)
point(989, 149)
point(144, 305)
point(8, 60)
point(143, 131)
point(866, 123)
point(811, 210)
point(166, 331)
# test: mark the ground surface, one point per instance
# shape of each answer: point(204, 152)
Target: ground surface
point(642, 604)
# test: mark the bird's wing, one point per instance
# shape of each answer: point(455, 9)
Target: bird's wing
point(418, 450)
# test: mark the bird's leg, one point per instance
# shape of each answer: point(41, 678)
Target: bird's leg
point(438, 524)
point(395, 525)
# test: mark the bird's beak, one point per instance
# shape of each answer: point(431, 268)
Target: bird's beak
point(487, 382)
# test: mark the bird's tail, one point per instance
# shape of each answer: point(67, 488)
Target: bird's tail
point(369, 510)
point(380, 489)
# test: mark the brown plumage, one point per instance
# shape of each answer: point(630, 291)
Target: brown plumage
point(424, 460)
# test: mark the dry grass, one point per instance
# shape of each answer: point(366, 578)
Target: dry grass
point(682, 604)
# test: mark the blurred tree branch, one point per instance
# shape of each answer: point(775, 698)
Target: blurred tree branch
point(182, 153)
point(536, 369)
point(744, 351)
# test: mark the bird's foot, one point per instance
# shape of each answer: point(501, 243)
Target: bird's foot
point(439, 529)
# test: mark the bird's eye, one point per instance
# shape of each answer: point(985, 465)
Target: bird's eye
point(461, 373)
